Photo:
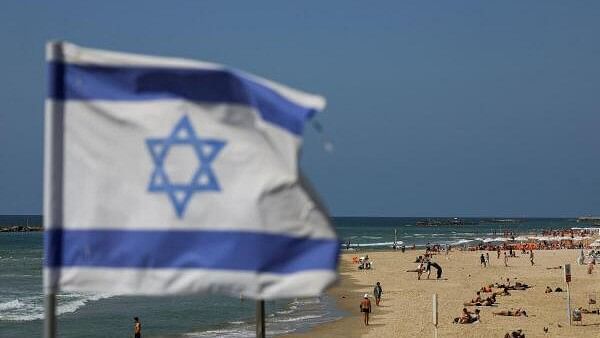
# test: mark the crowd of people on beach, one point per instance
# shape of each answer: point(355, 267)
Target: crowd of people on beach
point(487, 295)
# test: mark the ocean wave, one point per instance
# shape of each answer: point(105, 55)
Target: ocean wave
point(13, 304)
point(286, 312)
point(376, 244)
point(32, 308)
point(371, 237)
point(304, 301)
point(233, 333)
point(296, 319)
point(237, 322)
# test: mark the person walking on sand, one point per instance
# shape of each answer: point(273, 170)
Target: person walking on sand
point(487, 258)
point(377, 291)
point(498, 252)
point(505, 259)
point(482, 260)
point(365, 308)
point(137, 328)
point(531, 257)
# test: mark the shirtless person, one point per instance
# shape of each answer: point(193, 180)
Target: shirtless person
point(137, 328)
point(511, 313)
point(531, 257)
point(365, 308)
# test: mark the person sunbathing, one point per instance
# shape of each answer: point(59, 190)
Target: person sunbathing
point(467, 317)
point(518, 286)
point(486, 288)
point(517, 313)
point(504, 292)
point(548, 289)
point(489, 301)
point(477, 298)
point(515, 334)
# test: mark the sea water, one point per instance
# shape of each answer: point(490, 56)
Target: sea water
point(104, 315)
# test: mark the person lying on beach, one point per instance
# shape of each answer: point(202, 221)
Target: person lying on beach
point(515, 334)
point(467, 317)
point(489, 301)
point(504, 292)
point(520, 286)
point(517, 286)
point(517, 313)
point(548, 289)
point(555, 268)
point(504, 285)
point(486, 288)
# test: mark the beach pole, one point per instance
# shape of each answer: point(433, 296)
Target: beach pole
point(567, 279)
point(435, 315)
point(569, 304)
point(260, 319)
point(50, 315)
point(53, 190)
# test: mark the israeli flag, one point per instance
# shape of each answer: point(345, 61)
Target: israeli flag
point(170, 176)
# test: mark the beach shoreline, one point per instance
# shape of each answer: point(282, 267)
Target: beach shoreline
point(407, 302)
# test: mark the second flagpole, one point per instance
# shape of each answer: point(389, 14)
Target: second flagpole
point(260, 318)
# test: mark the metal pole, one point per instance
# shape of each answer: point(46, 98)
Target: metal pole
point(260, 319)
point(53, 189)
point(50, 315)
point(435, 315)
point(569, 304)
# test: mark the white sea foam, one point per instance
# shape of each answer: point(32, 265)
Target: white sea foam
point(32, 308)
point(13, 304)
point(296, 319)
point(285, 312)
point(304, 301)
point(232, 333)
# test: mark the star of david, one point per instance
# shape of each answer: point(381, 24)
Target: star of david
point(203, 178)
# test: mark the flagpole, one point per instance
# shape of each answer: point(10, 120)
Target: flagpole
point(260, 319)
point(53, 188)
point(50, 315)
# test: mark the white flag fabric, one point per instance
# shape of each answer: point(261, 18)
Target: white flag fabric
point(170, 176)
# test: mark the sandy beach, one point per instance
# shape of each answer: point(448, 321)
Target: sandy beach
point(406, 309)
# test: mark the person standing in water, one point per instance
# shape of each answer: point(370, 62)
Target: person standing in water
point(377, 291)
point(365, 308)
point(137, 328)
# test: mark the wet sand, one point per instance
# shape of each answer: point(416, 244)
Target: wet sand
point(406, 309)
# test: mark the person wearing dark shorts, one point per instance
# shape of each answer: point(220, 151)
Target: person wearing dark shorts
point(365, 308)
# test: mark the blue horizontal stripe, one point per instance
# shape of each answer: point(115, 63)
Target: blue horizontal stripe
point(128, 83)
point(219, 250)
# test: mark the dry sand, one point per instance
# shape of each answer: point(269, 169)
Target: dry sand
point(406, 309)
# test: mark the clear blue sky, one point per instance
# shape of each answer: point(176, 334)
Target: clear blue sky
point(435, 108)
